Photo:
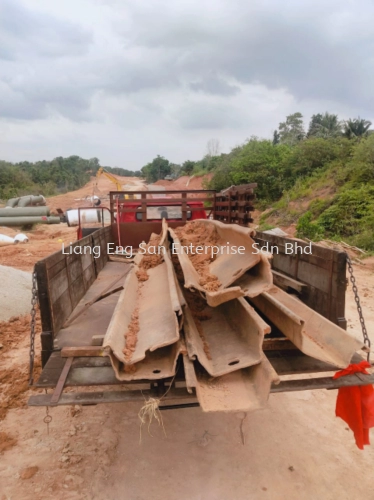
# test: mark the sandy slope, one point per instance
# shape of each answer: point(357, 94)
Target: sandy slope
point(99, 187)
point(46, 239)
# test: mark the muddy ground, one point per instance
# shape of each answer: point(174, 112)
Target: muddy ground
point(296, 448)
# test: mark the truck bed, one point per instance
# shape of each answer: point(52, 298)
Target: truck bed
point(66, 283)
point(95, 319)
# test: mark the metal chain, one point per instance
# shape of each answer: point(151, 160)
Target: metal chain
point(34, 301)
point(359, 309)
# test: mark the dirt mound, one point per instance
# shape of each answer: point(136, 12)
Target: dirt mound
point(15, 292)
point(6, 442)
point(14, 380)
point(43, 241)
point(198, 234)
point(15, 330)
point(99, 187)
point(14, 384)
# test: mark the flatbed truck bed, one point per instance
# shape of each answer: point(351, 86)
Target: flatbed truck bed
point(73, 360)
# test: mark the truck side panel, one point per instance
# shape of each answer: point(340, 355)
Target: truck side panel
point(64, 278)
point(323, 272)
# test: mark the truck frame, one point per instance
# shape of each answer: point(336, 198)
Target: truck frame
point(78, 291)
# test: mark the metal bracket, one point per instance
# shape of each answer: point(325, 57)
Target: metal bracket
point(61, 382)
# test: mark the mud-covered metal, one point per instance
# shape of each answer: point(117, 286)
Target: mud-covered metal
point(243, 390)
point(228, 266)
point(229, 338)
point(309, 331)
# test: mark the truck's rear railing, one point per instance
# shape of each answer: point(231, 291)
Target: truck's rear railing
point(139, 218)
point(294, 369)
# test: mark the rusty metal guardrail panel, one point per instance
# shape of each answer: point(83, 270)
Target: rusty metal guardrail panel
point(258, 279)
point(157, 364)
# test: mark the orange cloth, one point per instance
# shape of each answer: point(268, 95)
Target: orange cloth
point(355, 405)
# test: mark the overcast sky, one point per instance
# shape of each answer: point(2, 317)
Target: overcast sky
point(127, 80)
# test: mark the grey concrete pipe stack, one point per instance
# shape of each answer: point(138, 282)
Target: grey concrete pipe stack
point(22, 221)
point(26, 201)
point(26, 210)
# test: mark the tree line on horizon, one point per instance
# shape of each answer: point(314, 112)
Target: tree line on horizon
point(332, 156)
point(48, 178)
point(290, 133)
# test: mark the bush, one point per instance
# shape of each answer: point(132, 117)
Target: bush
point(307, 229)
point(351, 212)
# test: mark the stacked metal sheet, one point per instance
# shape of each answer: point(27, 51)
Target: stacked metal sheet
point(218, 332)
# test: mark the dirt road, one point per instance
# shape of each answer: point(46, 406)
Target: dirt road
point(294, 449)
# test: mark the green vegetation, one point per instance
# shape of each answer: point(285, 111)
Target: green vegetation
point(157, 169)
point(322, 180)
point(49, 177)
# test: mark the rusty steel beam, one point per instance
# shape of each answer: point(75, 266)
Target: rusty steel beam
point(309, 331)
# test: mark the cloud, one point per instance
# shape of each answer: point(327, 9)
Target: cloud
point(24, 32)
point(215, 86)
point(163, 77)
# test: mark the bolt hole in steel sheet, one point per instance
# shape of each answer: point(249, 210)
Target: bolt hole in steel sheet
point(230, 338)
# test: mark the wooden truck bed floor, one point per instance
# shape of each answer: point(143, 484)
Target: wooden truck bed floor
point(96, 318)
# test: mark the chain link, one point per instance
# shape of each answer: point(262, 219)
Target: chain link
point(34, 301)
point(359, 309)
point(48, 418)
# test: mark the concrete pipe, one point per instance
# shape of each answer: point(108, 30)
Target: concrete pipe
point(22, 221)
point(12, 202)
point(89, 215)
point(20, 238)
point(26, 201)
point(6, 240)
point(23, 212)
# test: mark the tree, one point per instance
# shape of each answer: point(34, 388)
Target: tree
point(213, 147)
point(188, 167)
point(358, 127)
point(276, 138)
point(325, 126)
point(157, 169)
point(259, 161)
point(175, 170)
point(94, 164)
point(292, 130)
